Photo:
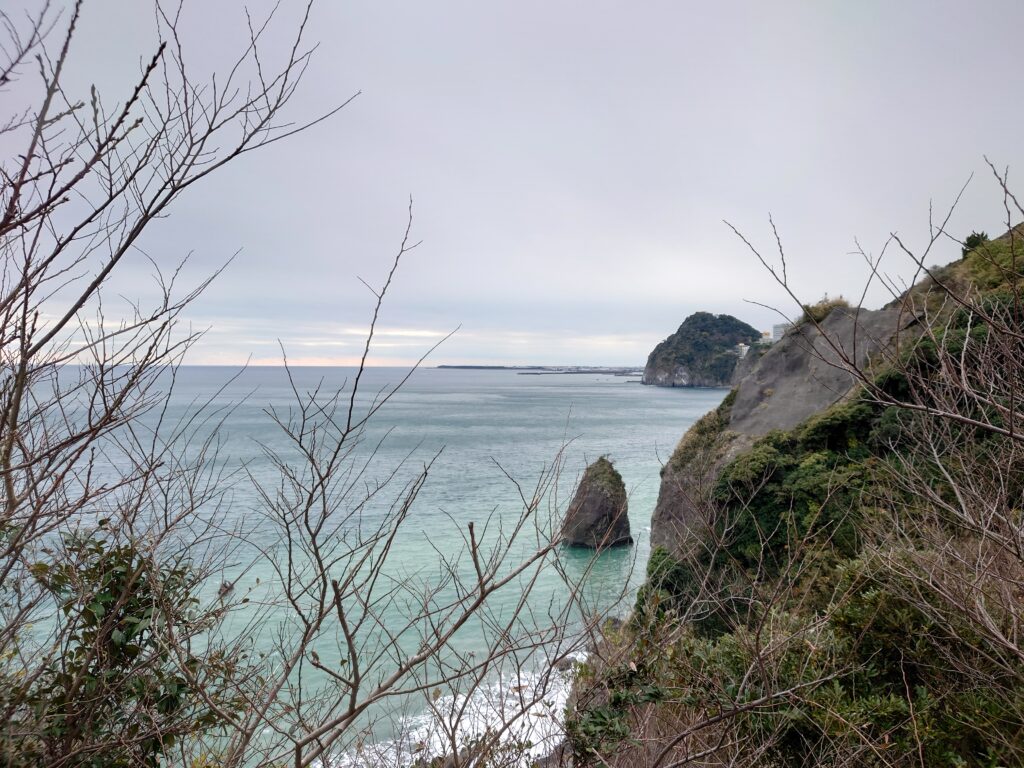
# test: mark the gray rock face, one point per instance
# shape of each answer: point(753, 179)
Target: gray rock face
point(799, 376)
point(746, 364)
point(803, 374)
point(678, 518)
point(676, 376)
point(598, 515)
point(682, 512)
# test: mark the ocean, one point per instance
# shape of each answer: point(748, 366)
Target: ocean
point(488, 436)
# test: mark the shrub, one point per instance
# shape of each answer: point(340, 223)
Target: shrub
point(118, 672)
point(822, 309)
point(973, 241)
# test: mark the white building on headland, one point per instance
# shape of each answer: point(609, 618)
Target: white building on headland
point(779, 330)
point(776, 333)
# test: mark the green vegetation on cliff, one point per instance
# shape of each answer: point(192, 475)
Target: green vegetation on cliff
point(603, 474)
point(704, 438)
point(850, 593)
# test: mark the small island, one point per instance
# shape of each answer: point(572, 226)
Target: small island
point(703, 352)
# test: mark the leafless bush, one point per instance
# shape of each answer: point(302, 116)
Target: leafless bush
point(116, 647)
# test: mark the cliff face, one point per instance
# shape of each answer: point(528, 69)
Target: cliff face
point(803, 373)
point(702, 353)
point(814, 535)
point(746, 363)
point(798, 377)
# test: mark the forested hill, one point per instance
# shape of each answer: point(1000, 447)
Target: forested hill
point(702, 353)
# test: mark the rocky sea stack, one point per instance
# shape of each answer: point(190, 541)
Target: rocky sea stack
point(702, 353)
point(598, 516)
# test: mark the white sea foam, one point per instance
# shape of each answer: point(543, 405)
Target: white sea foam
point(528, 706)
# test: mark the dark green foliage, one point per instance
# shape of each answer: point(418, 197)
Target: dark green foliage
point(677, 586)
point(603, 727)
point(973, 241)
point(959, 344)
point(666, 573)
point(901, 658)
point(603, 474)
point(117, 673)
point(876, 671)
point(705, 345)
point(843, 428)
point(789, 486)
point(892, 430)
point(1003, 304)
point(670, 583)
point(893, 384)
point(899, 680)
point(601, 723)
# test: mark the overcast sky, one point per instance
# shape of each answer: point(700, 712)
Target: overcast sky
point(571, 164)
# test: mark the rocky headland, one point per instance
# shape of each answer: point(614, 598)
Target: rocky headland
point(701, 353)
point(823, 548)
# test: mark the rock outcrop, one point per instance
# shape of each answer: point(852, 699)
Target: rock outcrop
point(746, 363)
point(598, 515)
point(799, 376)
point(702, 353)
point(804, 374)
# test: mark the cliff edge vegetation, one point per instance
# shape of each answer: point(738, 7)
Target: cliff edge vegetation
point(837, 551)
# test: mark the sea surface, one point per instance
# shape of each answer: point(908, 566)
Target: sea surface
point(488, 436)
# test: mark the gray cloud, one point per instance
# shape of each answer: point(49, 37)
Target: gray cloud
point(572, 162)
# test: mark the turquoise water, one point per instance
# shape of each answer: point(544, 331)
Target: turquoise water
point(483, 427)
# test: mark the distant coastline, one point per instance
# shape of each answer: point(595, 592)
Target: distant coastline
point(548, 370)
